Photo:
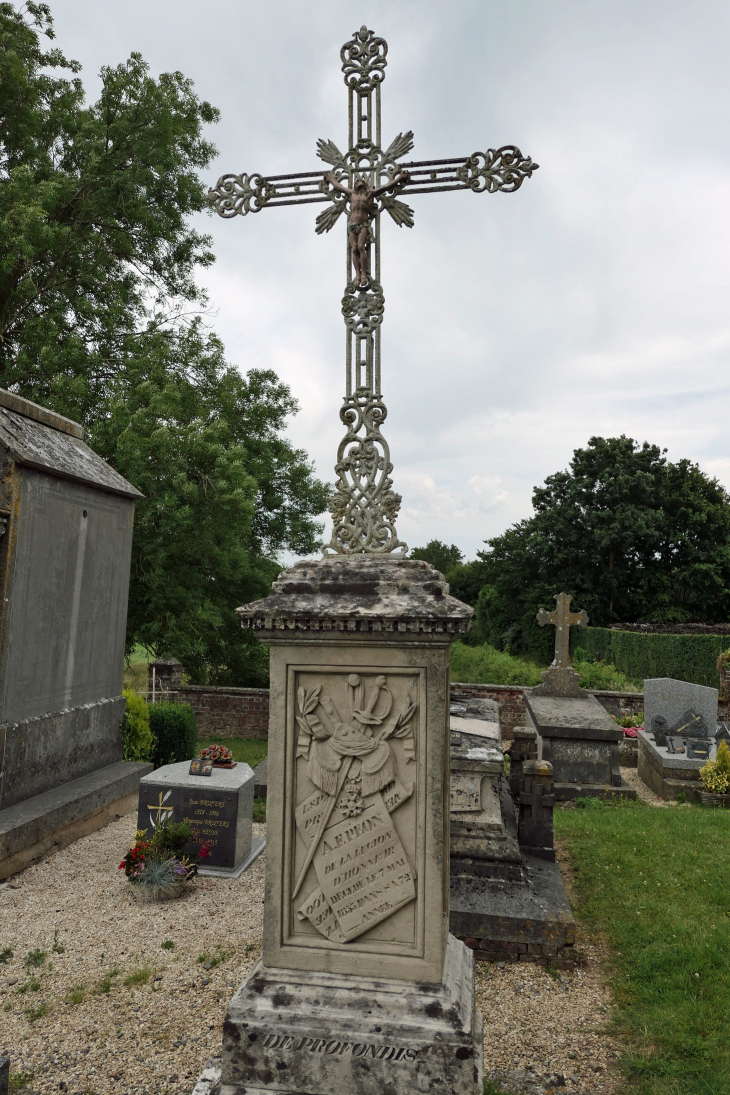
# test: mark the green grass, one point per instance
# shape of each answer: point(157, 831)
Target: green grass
point(5, 955)
point(168, 945)
point(486, 665)
point(216, 959)
point(105, 985)
point(138, 977)
point(655, 884)
point(39, 1012)
point(248, 750)
point(77, 994)
point(33, 959)
point(19, 1080)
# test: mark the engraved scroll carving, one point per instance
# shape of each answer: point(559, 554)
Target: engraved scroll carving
point(355, 746)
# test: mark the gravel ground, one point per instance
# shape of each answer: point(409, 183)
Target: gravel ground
point(632, 778)
point(542, 1033)
point(151, 1037)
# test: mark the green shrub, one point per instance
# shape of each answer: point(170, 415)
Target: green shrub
point(485, 665)
point(604, 677)
point(136, 733)
point(715, 775)
point(640, 655)
point(174, 734)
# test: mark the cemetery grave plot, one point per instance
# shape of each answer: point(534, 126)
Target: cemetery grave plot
point(107, 1025)
point(124, 1003)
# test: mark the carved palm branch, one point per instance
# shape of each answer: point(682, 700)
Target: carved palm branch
point(328, 217)
point(398, 147)
point(330, 153)
point(401, 213)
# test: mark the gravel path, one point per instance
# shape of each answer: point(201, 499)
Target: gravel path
point(153, 1038)
point(632, 778)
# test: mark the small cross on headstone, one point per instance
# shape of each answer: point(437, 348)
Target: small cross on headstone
point(559, 679)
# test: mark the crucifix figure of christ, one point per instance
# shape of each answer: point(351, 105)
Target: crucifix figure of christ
point(559, 678)
point(367, 178)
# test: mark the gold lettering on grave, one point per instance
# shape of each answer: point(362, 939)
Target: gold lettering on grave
point(345, 749)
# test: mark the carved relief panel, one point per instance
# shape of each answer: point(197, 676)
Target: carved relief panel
point(354, 809)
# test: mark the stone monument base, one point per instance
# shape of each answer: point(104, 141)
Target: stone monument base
point(328, 1034)
point(49, 822)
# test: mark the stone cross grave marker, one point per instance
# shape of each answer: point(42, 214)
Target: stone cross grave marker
point(559, 679)
point(367, 179)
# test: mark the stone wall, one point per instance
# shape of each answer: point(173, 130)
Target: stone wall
point(244, 712)
point(228, 712)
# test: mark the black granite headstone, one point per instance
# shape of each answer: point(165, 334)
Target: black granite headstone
point(212, 813)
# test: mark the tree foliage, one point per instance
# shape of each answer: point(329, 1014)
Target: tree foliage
point(101, 319)
point(630, 535)
point(439, 555)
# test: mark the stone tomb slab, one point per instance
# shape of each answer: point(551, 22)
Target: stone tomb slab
point(219, 807)
point(670, 774)
point(581, 741)
point(679, 707)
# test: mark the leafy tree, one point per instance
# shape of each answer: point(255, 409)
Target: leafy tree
point(101, 319)
point(439, 555)
point(628, 534)
point(466, 580)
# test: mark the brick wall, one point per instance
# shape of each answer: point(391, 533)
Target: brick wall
point(511, 700)
point(244, 712)
point(228, 712)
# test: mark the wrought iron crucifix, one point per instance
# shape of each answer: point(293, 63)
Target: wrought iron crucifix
point(366, 181)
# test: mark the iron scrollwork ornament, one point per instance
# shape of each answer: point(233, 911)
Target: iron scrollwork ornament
point(364, 508)
point(363, 312)
point(363, 61)
point(496, 169)
point(237, 195)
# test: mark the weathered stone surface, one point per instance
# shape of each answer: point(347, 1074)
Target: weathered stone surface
point(356, 814)
point(581, 741)
point(219, 807)
point(65, 545)
point(679, 706)
point(534, 910)
point(43, 752)
point(375, 594)
point(47, 822)
point(57, 451)
point(323, 1034)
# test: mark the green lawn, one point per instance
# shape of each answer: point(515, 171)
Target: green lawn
point(656, 884)
point(250, 750)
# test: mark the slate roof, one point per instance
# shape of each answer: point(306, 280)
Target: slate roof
point(56, 449)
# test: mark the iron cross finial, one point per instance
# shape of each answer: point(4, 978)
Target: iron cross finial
point(367, 179)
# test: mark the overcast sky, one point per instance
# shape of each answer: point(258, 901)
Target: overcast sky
point(594, 301)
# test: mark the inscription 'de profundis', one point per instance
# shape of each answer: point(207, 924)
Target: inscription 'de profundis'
point(363, 873)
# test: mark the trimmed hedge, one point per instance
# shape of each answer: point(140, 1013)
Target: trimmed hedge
point(174, 733)
point(684, 657)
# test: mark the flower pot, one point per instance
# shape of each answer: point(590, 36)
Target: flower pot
point(159, 893)
point(707, 798)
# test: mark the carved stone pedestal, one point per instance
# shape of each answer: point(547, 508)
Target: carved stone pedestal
point(360, 988)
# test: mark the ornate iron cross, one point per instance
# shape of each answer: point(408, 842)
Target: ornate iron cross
point(563, 619)
point(364, 507)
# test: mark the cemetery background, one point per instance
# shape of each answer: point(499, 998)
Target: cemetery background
point(167, 405)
